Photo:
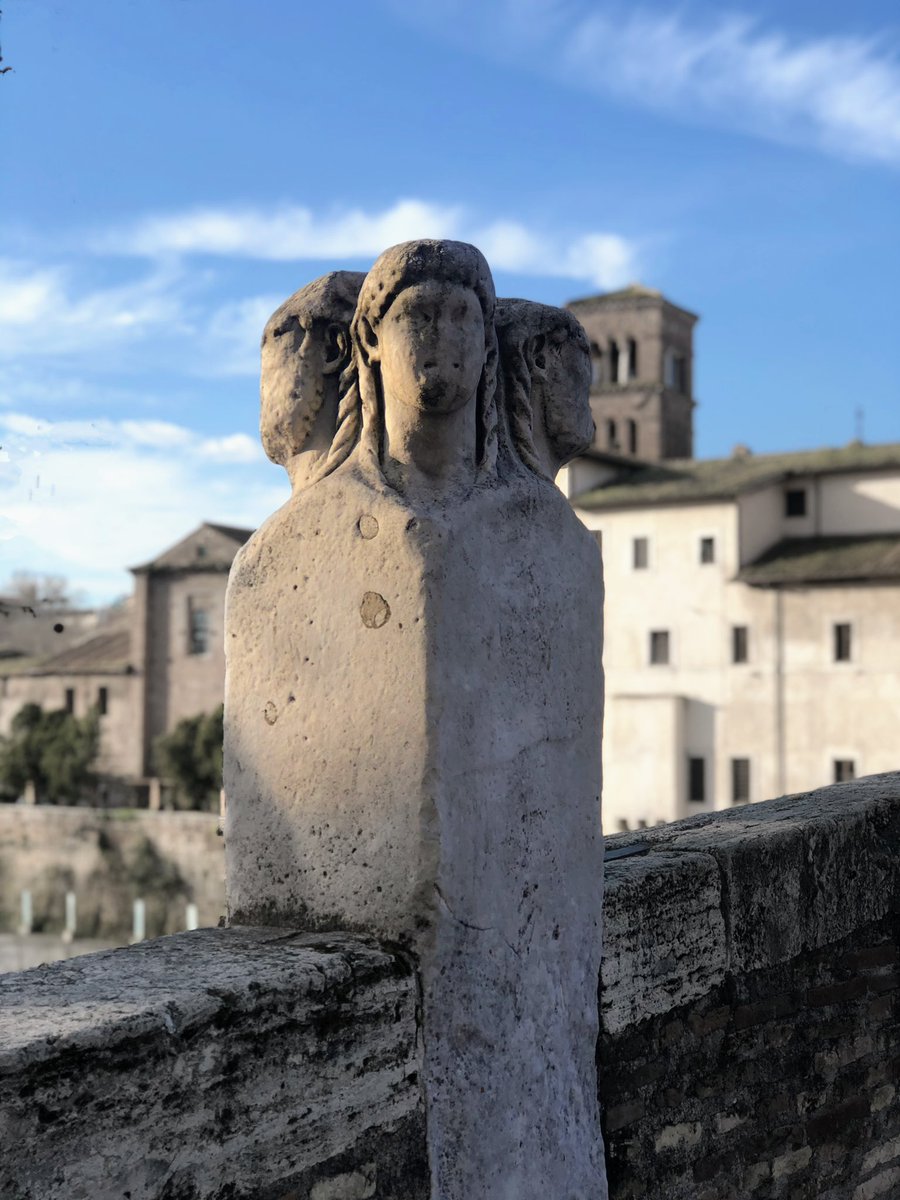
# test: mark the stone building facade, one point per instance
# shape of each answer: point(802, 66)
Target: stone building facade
point(752, 625)
point(643, 373)
point(159, 660)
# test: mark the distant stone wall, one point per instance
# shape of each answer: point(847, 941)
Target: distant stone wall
point(750, 1045)
point(750, 993)
point(109, 858)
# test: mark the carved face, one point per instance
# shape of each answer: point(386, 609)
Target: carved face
point(295, 362)
point(566, 381)
point(431, 345)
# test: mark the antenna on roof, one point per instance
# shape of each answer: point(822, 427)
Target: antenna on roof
point(859, 422)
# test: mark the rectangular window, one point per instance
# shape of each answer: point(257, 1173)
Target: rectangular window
point(844, 770)
point(198, 632)
point(659, 647)
point(70, 700)
point(795, 502)
point(623, 825)
point(740, 780)
point(102, 701)
point(842, 642)
point(640, 553)
point(707, 550)
point(740, 643)
point(697, 780)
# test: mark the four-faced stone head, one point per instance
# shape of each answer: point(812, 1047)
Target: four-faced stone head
point(546, 371)
point(305, 349)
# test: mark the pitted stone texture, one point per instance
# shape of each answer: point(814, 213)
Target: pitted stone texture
point(656, 959)
point(239, 1063)
point(426, 622)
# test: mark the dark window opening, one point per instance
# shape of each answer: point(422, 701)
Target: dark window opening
point(198, 635)
point(740, 780)
point(640, 553)
point(103, 701)
point(842, 643)
point(612, 439)
point(795, 502)
point(642, 824)
point(70, 700)
point(697, 780)
point(740, 642)
point(632, 437)
point(596, 364)
point(707, 550)
point(623, 825)
point(844, 770)
point(659, 647)
point(632, 359)
point(614, 362)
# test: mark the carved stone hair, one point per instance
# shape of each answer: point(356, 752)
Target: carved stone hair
point(522, 326)
point(286, 415)
point(411, 263)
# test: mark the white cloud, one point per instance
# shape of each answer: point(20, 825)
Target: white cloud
point(88, 498)
point(837, 93)
point(295, 233)
point(43, 312)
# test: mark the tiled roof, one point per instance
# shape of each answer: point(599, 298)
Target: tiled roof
point(104, 653)
point(826, 560)
point(685, 480)
point(208, 548)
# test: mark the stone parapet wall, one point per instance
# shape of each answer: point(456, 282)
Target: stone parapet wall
point(221, 1063)
point(109, 858)
point(750, 991)
point(751, 1042)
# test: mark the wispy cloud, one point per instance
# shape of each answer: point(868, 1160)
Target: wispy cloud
point(601, 258)
point(836, 93)
point(87, 498)
point(44, 312)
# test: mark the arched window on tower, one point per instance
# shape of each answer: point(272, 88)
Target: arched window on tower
point(614, 356)
point(632, 436)
point(612, 440)
point(596, 365)
point(632, 359)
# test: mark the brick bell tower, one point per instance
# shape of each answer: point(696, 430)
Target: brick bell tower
point(643, 370)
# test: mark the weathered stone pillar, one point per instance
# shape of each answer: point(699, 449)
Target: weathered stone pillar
point(414, 695)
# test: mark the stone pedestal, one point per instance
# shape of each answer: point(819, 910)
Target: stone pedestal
point(412, 723)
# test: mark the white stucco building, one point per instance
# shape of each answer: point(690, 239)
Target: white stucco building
point(752, 624)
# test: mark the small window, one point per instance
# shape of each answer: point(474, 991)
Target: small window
point(640, 553)
point(707, 550)
point(614, 364)
point(659, 647)
point(740, 643)
point(623, 825)
point(70, 700)
point(795, 502)
point(844, 770)
point(843, 642)
point(632, 359)
point(102, 701)
point(740, 780)
point(612, 439)
point(697, 780)
point(632, 437)
point(642, 824)
point(198, 634)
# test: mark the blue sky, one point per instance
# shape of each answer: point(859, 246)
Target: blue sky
point(173, 169)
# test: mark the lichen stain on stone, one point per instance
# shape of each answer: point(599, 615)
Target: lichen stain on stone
point(270, 712)
point(374, 610)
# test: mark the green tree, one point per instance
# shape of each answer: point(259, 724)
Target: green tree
point(191, 758)
point(54, 750)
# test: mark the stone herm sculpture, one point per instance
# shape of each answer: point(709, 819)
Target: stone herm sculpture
point(413, 711)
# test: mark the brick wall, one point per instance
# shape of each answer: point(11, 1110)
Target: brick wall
point(751, 1042)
